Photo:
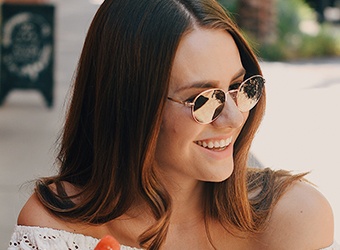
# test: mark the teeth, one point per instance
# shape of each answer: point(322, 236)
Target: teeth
point(215, 144)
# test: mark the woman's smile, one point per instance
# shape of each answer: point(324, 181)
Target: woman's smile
point(216, 149)
point(215, 145)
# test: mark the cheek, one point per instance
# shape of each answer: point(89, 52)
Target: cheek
point(245, 117)
point(177, 131)
point(169, 126)
point(172, 130)
point(176, 121)
point(168, 143)
point(169, 133)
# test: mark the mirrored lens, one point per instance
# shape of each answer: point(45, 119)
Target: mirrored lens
point(208, 105)
point(250, 93)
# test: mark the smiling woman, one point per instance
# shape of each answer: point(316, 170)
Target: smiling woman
point(166, 102)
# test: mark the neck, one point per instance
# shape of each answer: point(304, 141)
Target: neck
point(186, 216)
point(187, 203)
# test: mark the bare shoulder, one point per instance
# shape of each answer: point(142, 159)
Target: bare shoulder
point(34, 213)
point(302, 219)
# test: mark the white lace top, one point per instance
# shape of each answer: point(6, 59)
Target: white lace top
point(38, 238)
point(42, 238)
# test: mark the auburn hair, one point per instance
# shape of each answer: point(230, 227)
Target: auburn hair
point(108, 143)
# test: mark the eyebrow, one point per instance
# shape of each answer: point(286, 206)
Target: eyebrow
point(239, 73)
point(209, 84)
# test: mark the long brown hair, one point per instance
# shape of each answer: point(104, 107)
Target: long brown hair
point(108, 143)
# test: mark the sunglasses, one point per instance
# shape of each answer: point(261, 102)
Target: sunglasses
point(208, 105)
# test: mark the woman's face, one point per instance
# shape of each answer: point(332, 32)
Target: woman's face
point(205, 59)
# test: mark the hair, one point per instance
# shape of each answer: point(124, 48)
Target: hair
point(107, 148)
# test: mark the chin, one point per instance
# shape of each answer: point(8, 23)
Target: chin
point(221, 175)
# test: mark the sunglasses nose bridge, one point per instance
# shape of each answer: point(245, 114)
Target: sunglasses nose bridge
point(230, 115)
point(232, 94)
point(231, 102)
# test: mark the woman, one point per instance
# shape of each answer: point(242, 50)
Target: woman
point(167, 99)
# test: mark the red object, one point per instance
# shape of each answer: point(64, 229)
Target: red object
point(107, 243)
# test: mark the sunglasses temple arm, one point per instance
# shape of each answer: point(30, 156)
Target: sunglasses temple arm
point(188, 104)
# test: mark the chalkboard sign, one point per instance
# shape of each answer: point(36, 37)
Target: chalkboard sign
point(27, 49)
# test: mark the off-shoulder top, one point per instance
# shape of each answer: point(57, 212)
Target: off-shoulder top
point(43, 238)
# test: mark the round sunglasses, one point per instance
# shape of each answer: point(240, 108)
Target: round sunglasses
point(208, 105)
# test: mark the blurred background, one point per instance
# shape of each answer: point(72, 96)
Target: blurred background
point(297, 41)
point(289, 29)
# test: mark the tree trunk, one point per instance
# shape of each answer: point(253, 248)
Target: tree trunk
point(258, 19)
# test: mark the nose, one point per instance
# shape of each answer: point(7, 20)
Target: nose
point(231, 116)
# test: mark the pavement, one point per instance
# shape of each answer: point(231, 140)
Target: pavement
point(300, 132)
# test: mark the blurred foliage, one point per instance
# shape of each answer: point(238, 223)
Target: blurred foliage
point(230, 5)
point(299, 35)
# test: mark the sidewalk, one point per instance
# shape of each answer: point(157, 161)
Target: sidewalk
point(28, 130)
point(300, 131)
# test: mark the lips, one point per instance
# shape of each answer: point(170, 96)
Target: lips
point(215, 144)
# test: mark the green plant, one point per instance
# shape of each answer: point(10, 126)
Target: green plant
point(292, 41)
point(323, 44)
point(230, 5)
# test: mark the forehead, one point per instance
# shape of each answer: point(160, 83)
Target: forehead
point(205, 55)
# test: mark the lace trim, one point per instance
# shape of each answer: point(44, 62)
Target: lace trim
point(43, 238)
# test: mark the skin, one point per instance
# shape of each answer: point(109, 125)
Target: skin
point(301, 220)
point(204, 56)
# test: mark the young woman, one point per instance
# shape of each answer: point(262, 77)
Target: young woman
point(167, 99)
